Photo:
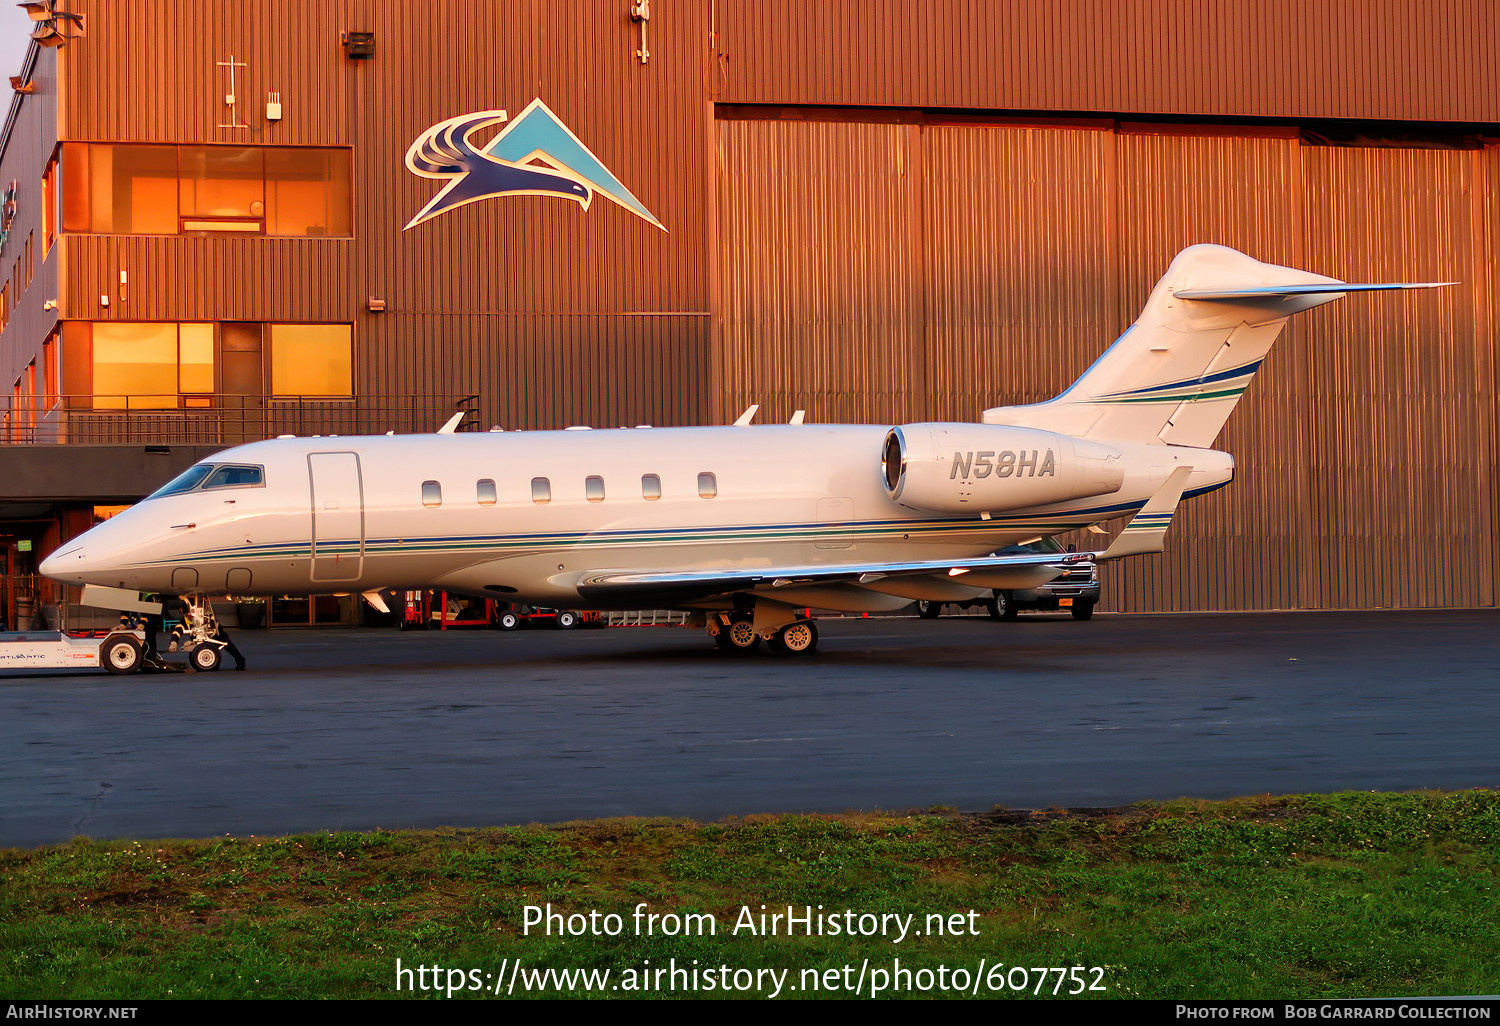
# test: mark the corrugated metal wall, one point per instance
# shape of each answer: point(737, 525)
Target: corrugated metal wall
point(26, 152)
point(889, 272)
point(555, 315)
point(1434, 60)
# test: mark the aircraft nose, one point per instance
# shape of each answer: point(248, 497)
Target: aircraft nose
point(65, 564)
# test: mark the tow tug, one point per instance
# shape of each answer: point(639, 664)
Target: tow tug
point(127, 648)
point(123, 650)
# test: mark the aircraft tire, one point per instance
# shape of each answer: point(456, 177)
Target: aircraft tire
point(799, 638)
point(739, 636)
point(1083, 611)
point(120, 655)
point(204, 658)
point(929, 610)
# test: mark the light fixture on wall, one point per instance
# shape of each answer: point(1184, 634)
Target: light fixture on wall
point(53, 27)
point(359, 46)
point(640, 13)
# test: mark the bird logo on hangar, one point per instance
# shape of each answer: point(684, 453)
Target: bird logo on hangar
point(534, 155)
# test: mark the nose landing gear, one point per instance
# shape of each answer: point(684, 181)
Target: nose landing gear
point(200, 635)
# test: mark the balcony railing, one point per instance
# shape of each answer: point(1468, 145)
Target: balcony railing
point(217, 419)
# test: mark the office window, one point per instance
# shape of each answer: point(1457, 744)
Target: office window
point(50, 376)
point(136, 365)
point(307, 192)
point(312, 359)
point(486, 492)
point(650, 487)
point(432, 493)
point(221, 189)
point(541, 490)
point(49, 206)
point(708, 486)
point(593, 488)
point(170, 190)
point(195, 358)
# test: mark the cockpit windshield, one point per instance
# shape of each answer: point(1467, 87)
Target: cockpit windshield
point(206, 476)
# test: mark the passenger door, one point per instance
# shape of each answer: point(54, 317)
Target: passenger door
point(338, 516)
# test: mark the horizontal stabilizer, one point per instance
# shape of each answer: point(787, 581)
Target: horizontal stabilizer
point(1147, 530)
point(1286, 291)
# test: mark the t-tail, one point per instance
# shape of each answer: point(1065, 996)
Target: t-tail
point(1176, 374)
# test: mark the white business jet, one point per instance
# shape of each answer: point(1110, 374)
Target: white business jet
point(744, 526)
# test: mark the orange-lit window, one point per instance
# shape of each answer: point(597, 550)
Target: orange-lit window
point(312, 360)
point(49, 206)
point(222, 188)
point(168, 190)
point(195, 358)
point(307, 192)
point(30, 390)
point(49, 368)
point(148, 366)
point(30, 263)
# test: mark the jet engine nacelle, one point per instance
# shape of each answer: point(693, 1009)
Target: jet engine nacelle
point(971, 468)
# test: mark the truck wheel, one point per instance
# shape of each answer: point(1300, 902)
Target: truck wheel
point(567, 620)
point(1003, 607)
point(1083, 610)
point(204, 658)
point(120, 655)
point(508, 620)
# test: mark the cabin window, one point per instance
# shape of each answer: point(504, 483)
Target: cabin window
point(593, 488)
point(486, 491)
point(541, 490)
point(189, 479)
point(650, 487)
point(708, 486)
point(236, 475)
point(432, 493)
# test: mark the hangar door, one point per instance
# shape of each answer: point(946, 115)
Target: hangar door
point(338, 516)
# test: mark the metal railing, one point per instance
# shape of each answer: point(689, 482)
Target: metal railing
point(217, 419)
point(645, 618)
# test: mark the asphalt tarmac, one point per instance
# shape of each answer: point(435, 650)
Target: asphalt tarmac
point(355, 729)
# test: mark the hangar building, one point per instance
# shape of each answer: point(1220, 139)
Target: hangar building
point(871, 210)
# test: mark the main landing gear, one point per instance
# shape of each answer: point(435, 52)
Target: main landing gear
point(736, 631)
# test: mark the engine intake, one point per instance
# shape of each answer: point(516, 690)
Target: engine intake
point(971, 468)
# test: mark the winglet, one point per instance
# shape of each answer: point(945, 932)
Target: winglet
point(748, 416)
point(1148, 528)
point(453, 423)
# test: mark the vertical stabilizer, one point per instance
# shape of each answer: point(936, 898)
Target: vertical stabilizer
point(1177, 372)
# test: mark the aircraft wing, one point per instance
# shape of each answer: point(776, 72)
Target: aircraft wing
point(687, 584)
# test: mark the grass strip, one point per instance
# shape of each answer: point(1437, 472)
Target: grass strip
point(1307, 896)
